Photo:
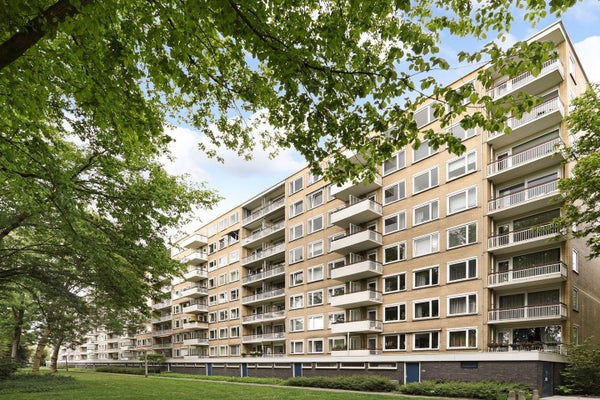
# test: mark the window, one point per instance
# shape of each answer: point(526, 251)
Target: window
point(394, 223)
point(234, 219)
point(462, 304)
point(296, 185)
point(461, 133)
point(462, 338)
point(575, 299)
point(297, 301)
point(462, 200)
point(297, 208)
point(337, 343)
point(338, 317)
point(312, 178)
point(222, 350)
point(426, 277)
point(423, 151)
point(234, 313)
point(331, 238)
point(234, 331)
point(212, 265)
point(426, 244)
point(223, 261)
point(222, 279)
point(426, 341)
point(462, 165)
point(395, 252)
point(223, 315)
point(572, 68)
point(394, 283)
point(575, 260)
point(315, 249)
point(315, 298)
point(296, 347)
point(222, 224)
point(222, 297)
point(314, 224)
point(394, 192)
point(296, 278)
point(315, 345)
point(234, 256)
point(212, 299)
point(394, 313)
point(315, 199)
point(234, 275)
point(297, 324)
point(395, 163)
point(315, 273)
point(296, 231)
point(462, 235)
point(315, 322)
point(296, 255)
point(212, 283)
point(423, 309)
point(426, 212)
point(425, 180)
point(222, 243)
point(335, 291)
point(575, 334)
point(394, 342)
point(461, 270)
point(234, 294)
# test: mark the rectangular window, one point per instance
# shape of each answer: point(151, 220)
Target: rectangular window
point(462, 304)
point(222, 279)
point(425, 180)
point(234, 331)
point(315, 199)
point(575, 260)
point(462, 235)
point(234, 313)
point(296, 231)
point(426, 341)
point(234, 294)
point(315, 298)
point(462, 165)
point(394, 223)
point(315, 322)
point(212, 299)
point(394, 283)
point(315, 345)
point(424, 309)
point(297, 324)
point(234, 256)
point(426, 244)
point(462, 338)
point(461, 133)
point(426, 212)
point(234, 218)
point(426, 277)
point(315, 249)
point(395, 252)
point(394, 313)
point(423, 151)
point(297, 301)
point(223, 315)
point(296, 185)
point(394, 342)
point(314, 224)
point(462, 200)
point(335, 291)
point(575, 299)
point(313, 178)
point(223, 261)
point(222, 224)
point(234, 275)
point(394, 192)
point(296, 255)
point(337, 343)
point(315, 273)
point(296, 278)
point(338, 317)
point(462, 270)
point(297, 208)
point(296, 347)
point(395, 163)
point(222, 297)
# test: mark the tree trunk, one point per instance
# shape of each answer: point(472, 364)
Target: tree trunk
point(17, 330)
point(39, 351)
point(54, 356)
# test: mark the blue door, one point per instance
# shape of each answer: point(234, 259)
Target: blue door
point(244, 370)
point(208, 369)
point(297, 369)
point(412, 372)
point(547, 381)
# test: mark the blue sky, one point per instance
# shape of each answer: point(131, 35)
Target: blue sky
point(237, 179)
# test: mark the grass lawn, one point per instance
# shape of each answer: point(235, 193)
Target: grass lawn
point(89, 385)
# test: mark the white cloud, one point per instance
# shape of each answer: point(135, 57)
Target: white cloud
point(588, 53)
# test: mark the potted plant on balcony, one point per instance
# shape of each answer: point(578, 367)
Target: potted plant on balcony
point(244, 354)
point(493, 346)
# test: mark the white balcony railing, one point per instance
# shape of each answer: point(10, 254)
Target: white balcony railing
point(268, 316)
point(523, 79)
point(523, 196)
point(523, 235)
point(527, 274)
point(525, 156)
point(357, 270)
point(546, 311)
point(263, 211)
point(267, 337)
point(261, 254)
point(263, 233)
point(357, 326)
point(194, 241)
point(263, 296)
point(264, 275)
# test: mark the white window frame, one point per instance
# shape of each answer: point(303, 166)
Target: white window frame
point(400, 188)
point(234, 294)
point(311, 346)
point(297, 324)
point(466, 332)
point(234, 275)
point(296, 208)
point(398, 283)
point(400, 249)
point(466, 297)
point(333, 291)
point(294, 344)
point(315, 249)
point(296, 278)
point(433, 209)
point(296, 185)
point(311, 322)
point(312, 199)
point(416, 157)
point(400, 338)
point(467, 268)
point(433, 273)
point(434, 243)
point(334, 318)
point(313, 274)
point(575, 260)
point(467, 234)
point(234, 313)
point(469, 198)
point(433, 179)
point(315, 298)
point(310, 225)
point(400, 223)
point(466, 133)
point(296, 255)
point(398, 307)
point(296, 301)
point(431, 315)
point(431, 334)
point(234, 331)
point(395, 163)
point(296, 231)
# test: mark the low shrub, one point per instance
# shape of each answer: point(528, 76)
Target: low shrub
point(126, 370)
point(485, 390)
point(30, 383)
point(7, 367)
point(363, 383)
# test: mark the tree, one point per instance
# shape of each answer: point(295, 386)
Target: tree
point(581, 190)
point(582, 373)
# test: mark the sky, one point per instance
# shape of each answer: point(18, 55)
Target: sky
point(237, 180)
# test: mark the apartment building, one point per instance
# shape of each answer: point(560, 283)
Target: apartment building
point(444, 266)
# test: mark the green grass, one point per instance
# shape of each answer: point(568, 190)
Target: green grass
point(99, 386)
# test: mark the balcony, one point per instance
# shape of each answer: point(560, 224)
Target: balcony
point(265, 234)
point(357, 299)
point(162, 346)
point(542, 274)
point(194, 325)
point(357, 271)
point(524, 201)
point(348, 189)
point(357, 242)
point(196, 274)
point(355, 353)
point(267, 337)
point(551, 74)
point(264, 255)
point(265, 275)
point(543, 155)
point(196, 342)
point(549, 113)
point(195, 308)
point(195, 258)
point(194, 291)
point(366, 326)
point(162, 332)
point(194, 241)
point(525, 238)
point(264, 211)
point(264, 317)
point(162, 304)
point(357, 213)
point(528, 313)
point(264, 297)
point(162, 318)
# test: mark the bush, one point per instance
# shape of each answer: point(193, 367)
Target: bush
point(582, 373)
point(363, 383)
point(485, 390)
point(125, 370)
point(30, 383)
point(7, 367)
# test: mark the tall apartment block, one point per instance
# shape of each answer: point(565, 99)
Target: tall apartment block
point(445, 266)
